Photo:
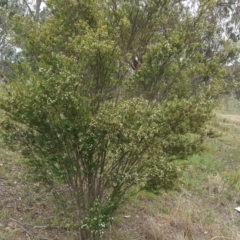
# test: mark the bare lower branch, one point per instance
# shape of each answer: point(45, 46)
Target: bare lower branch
point(30, 10)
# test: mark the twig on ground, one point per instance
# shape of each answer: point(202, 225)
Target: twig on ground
point(28, 224)
point(15, 221)
point(21, 226)
point(221, 237)
point(39, 227)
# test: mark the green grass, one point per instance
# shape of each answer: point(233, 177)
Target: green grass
point(200, 167)
point(233, 179)
point(230, 105)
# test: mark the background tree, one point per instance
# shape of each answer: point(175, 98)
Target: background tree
point(110, 96)
point(9, 52)
point(226, 16)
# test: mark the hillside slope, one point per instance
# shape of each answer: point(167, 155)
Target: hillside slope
point(201, 209)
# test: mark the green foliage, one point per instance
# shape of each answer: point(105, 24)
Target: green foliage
point(111, 95)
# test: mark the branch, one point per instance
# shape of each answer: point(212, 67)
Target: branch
point(27, 224)
point(21, 226)
point(220, 237)
point(30, 10)
point(38, 4)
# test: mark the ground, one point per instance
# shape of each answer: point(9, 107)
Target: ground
point(202, 208)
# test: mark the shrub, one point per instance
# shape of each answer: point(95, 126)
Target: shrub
point(110, 95)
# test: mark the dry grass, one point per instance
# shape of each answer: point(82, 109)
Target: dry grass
point(189, 219)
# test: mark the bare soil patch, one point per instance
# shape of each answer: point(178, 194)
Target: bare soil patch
point(231, 117)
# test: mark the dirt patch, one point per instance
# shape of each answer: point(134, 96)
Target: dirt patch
point(231, 117)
